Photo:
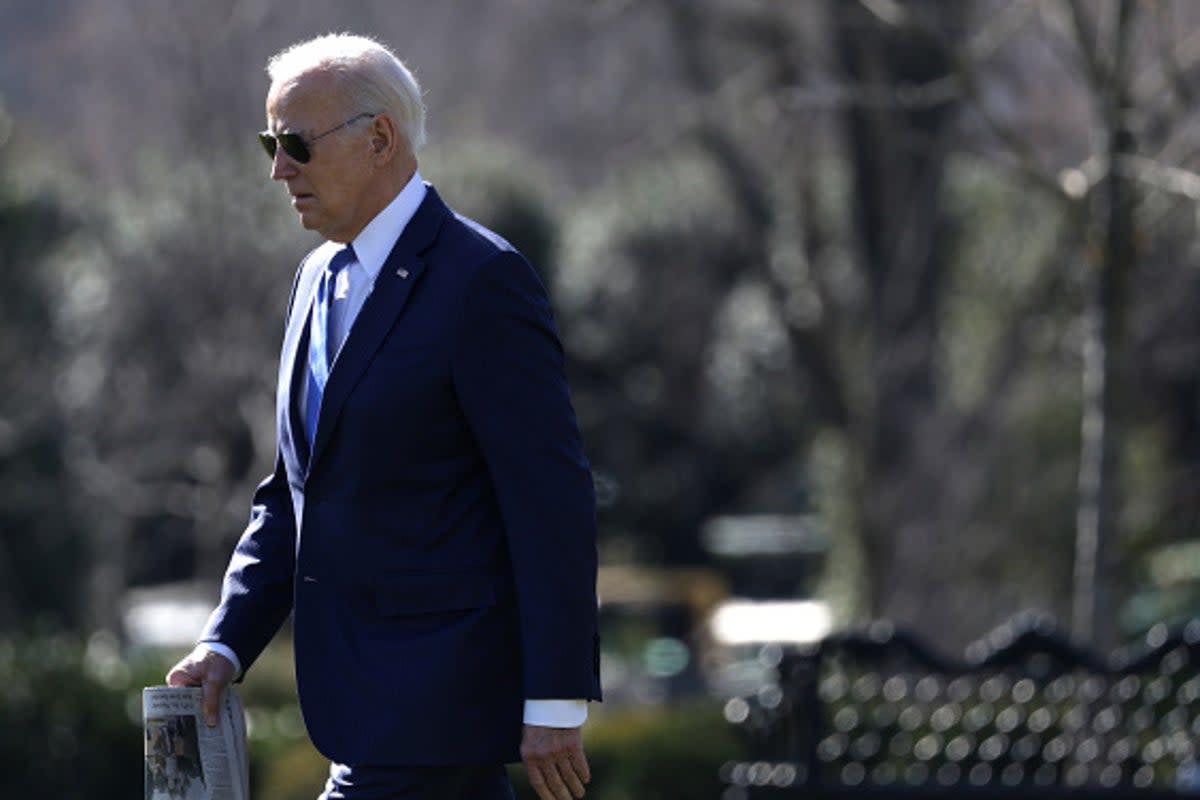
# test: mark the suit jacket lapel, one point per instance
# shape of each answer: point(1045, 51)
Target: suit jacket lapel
point(392, 289)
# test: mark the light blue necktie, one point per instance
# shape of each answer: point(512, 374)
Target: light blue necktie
point(319, 350)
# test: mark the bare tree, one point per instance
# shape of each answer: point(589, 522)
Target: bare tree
point(1105, 371)
point(910, 88)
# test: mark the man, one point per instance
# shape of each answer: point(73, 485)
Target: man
point(430, 518)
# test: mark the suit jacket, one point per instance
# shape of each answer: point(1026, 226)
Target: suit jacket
point(437, 545)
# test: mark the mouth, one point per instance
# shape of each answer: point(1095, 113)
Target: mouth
point(300, 197)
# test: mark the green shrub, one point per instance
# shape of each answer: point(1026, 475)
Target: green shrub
point(297, 772)
point(71, 719)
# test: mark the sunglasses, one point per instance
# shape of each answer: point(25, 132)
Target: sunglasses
point(294, 144)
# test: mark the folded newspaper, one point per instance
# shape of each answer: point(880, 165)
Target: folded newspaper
point(186, 759)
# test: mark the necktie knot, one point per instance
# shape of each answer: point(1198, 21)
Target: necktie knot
point(335, 283)
point(341, 259)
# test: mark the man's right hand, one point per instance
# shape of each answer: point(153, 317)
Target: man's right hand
point(208, 670)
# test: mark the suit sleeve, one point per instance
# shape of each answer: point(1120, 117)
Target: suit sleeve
point(257, 593)
point(508, 372)
point(256, 596)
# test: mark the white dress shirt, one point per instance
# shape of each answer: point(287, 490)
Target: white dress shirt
point(354, 284)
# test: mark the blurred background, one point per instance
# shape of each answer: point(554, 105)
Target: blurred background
point(873, 309)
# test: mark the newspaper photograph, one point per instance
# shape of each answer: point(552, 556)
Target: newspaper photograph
point(185, 759)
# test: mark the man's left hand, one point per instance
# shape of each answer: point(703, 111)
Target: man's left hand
point(554, 759)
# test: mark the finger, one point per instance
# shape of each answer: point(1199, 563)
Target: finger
point(212, 701)
point(566, 770)
point(538, 782)
point(183, 674)
point(554, 782)
point(579, 763)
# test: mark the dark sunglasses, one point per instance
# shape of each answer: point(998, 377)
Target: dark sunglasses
point(293, 143)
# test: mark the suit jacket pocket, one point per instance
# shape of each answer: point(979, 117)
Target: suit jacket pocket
point(408, 594)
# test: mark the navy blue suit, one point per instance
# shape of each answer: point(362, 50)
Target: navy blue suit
point(438, 543)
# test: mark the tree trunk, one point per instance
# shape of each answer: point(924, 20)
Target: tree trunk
point(1105, 372)
point(898, 157)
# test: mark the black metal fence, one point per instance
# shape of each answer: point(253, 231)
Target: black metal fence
point(1024, 713)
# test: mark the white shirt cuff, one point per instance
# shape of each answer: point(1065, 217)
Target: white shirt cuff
point(556, 713)
point(223, 650)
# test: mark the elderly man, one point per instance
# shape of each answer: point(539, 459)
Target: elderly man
point(430, 518)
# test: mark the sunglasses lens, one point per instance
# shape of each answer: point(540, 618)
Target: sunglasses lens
point(294, 146)
point(291, 143)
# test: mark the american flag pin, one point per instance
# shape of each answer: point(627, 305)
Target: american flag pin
point(403, 273)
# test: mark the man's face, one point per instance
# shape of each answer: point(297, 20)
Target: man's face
point(330, 192)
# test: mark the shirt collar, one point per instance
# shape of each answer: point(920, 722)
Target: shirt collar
point(374, 243)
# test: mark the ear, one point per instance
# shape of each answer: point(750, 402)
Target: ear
point(386, 139)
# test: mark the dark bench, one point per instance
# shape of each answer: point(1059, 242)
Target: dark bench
point(877, 712)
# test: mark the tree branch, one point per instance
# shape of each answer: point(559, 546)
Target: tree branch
point(1085, 37)
point(748, 187)
point(964, 84)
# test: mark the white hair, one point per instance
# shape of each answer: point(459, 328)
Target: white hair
point(372, 77)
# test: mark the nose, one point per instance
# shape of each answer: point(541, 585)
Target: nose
point(283, 166)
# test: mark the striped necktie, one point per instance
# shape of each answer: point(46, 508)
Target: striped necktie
point(319, 355)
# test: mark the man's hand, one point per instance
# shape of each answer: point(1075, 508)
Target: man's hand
point(554, 759)
point(211, 671)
